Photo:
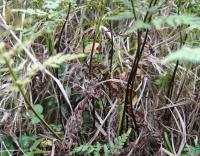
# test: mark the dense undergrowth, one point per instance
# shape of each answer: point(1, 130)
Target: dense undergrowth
point(108, 77)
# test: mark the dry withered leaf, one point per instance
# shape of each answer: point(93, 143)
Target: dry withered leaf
point(89, 47)
point(114, 87)
point(139, 72)
point(96, 47)
point(140, 117)
point(123, 75)
point(134, 99)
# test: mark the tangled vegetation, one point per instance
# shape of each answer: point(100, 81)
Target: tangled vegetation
point(107, 77)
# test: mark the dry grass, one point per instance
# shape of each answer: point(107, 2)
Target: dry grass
point(84, 101)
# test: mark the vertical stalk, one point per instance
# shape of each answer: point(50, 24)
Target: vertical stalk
point(60, 99)
point(94, 41)
point(167, 113)
point(92, 53)
point(131, 80)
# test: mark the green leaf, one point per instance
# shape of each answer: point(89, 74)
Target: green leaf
point(49, 26)
point(191, 150)
point(112, 146)
point(98, 146)
point(12, 88)
point(85, 148)
point(21, 66)
point(56, 127)
point(106, 150)
point(121, 16)
point(36, 152)
point(52, 4)
point(32, 12)
point(90, 150)
point(7, 140)
point(36, 144)
point(23, 81)
point(38, 108)
point(167, 142)
point(29, 154)
point(162, 80)
point(138, 25)
point(128, 132)
point(58, 59)
point(35, 120)
point(176, 20)
point(86, 116)
point(25, 141)
point(185, 54)
point(78, 149)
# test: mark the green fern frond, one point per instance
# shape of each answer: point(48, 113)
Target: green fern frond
point(58, 59)
point(159, 22)
point(121, 16)
point(139, 25)
point(32, 12)
point(185, 54)
point(176, 20)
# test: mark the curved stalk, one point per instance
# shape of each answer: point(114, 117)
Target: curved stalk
point(45, 124)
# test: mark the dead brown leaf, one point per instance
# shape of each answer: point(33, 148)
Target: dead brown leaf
point(113, 86)
point(134, 99)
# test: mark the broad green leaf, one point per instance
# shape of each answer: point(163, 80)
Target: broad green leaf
point(38, 108)
point(35, 120)
point(25, 141)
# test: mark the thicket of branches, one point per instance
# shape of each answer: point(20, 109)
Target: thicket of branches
point(100, 77)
